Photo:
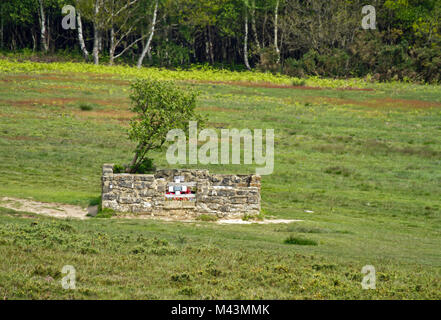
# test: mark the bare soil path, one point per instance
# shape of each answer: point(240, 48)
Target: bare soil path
point(58, 210)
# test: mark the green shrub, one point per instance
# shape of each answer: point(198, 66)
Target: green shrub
point(268, 60)
point(86, 107)
point(300, 241)
point(182, 277)
point(293, 68)
point(146, 166)
point(137, 250)
point(187, 291)
point(163, 251)
point(339, 170)
point(160, 242)
point(117, 168)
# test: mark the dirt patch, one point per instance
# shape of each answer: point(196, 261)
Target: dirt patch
point(56, 210)
point(277, 86)
point(56, 101)
point(218, 109)
point(99, 115)
point(103, 78)
point(38, 101)
point(21, 138)
point(220, 221)
point(378, 103)
point(389, 102)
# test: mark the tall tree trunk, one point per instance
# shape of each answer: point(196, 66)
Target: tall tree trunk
point(210, 42)
point(43, 41)
point(245, 45)
point(95, 50)
point(1, 27)
point(265, 19)
point(48, 34)
point(207, 47)
point(146, 49)
point(96, 34)
point(112, 47)
point(81, 38)
point(34, 41)
point(276, 27)
point(253, 23)
point(133, 164)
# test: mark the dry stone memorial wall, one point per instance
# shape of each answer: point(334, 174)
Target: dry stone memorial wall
point(181, 193)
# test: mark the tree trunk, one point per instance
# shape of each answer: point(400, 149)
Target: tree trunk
point(265, 19)
point(146, 49)
point(253, 24)
point(95, 51)
point(276, 27)
point(48, 35)
point(34, 41)
point(139, 150)
point(132, 163)
point(1, 28)
point(96, 35)
point(43, 41)
point(245, 46)
point(112, 47)
point(207, 47)
point(81, 38)
point(210, 42)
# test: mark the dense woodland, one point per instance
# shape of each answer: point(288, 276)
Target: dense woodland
point(295, 37)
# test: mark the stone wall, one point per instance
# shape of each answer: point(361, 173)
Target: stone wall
point(231, 196)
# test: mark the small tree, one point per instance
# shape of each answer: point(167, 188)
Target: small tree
point(160, 106)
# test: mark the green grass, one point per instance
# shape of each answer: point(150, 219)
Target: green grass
point(146, 259)
point(361, 168)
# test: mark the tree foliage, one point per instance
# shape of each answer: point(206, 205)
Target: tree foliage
point(160, 106)
point(301, 37)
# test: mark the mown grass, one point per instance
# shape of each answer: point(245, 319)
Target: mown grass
point(361, 168)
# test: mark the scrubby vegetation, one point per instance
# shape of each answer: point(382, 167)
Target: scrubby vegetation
point(133, 259)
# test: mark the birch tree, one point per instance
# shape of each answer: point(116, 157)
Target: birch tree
point(122, 19)
point(245, 41)
point(81, 37)
point(146, 49)
point(42, 19)
point(96, 31)
point(276, 30)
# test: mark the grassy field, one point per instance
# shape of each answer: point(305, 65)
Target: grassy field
point(362, 168)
